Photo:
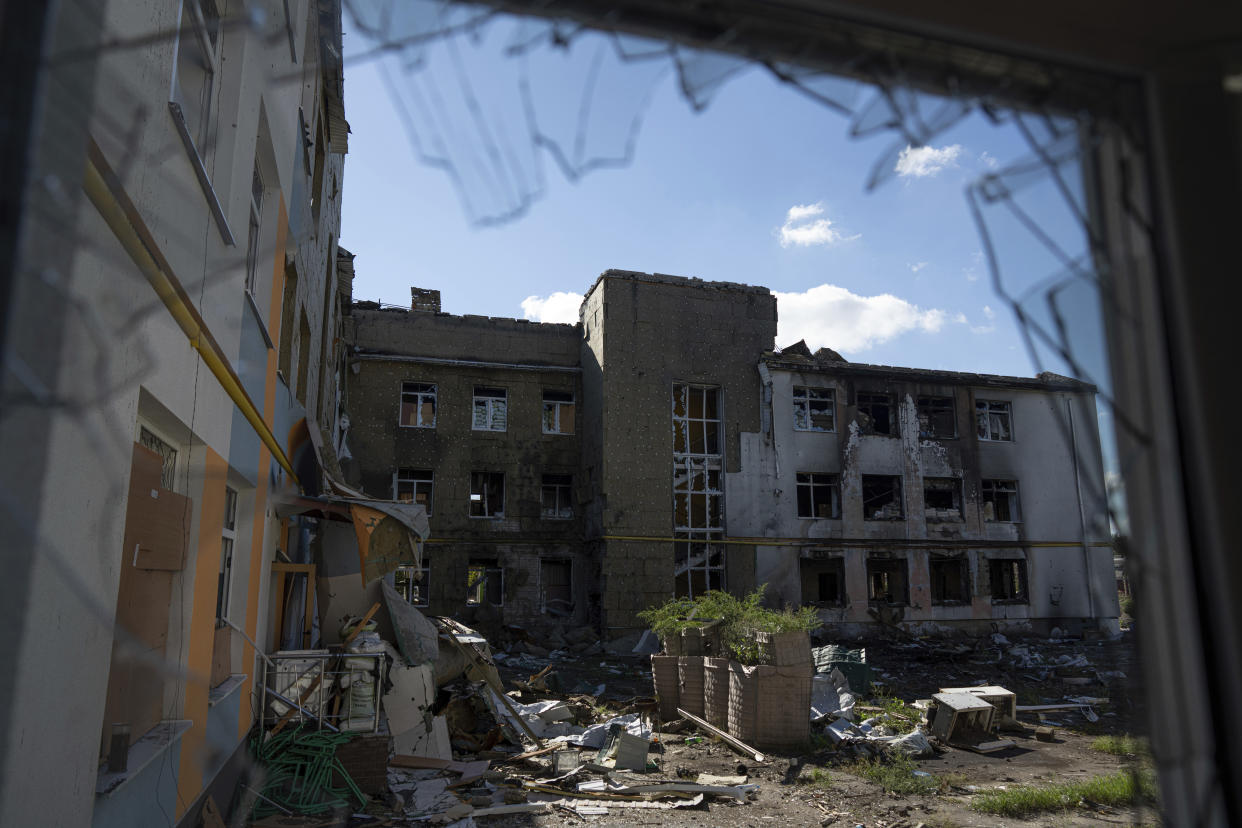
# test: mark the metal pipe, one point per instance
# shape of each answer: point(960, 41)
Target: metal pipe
point(250, 641)
point(283, 700)
point(119, 215)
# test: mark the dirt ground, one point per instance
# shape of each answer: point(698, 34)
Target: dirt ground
point(819, 787)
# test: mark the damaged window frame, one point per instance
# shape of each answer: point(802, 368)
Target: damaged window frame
point(811, 484)
point(815, 564)
point(561, 486)
point(415, 590)
point(197, 69)
point(887, 567)
point(698, 561)
point(418, 480)
point(954, 487)
point(228, 539)
point(485, 583)
point(805, 400)
point(989, 413)
point(698, 489)
point(990, 492)
point(494, 404)
point(935, 585)
point(701, 435)
point(933, 410)
point(480, 483)
point(417, 394)
point(895, 492)
point(866, 403)
point(1010, 574)
point(257, 189)
point(545, 603)
point(555, 402)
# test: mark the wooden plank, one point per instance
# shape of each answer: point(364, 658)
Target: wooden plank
point(471, 772)
point(358, 627)
point(292, 711)
point(737, 744)
point(419, 762)
point(211, 814)
point(531, 754)
point(281, 566)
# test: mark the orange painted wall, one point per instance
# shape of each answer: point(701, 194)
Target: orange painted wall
point(205, 578)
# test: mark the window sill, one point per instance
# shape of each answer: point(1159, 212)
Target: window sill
point(1009, 601)
point(490, 430)
point(884, 520)
point(141, 753)
point(557, 433)
point(808, 517)
point(487, 517)
point(815, 430)
point(225, 689)
point(428, 427)
point(1002, 522)
point(258, 317)
point(200, 172)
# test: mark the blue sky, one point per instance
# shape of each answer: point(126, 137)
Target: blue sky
point(763, 187)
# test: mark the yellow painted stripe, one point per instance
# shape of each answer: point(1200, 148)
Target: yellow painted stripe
point(122, 218)
point(202, 629)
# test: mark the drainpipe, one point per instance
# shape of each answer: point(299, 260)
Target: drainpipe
point(1082, 516)
point(116, 212)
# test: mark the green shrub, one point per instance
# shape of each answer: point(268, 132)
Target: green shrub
point(1116, 790)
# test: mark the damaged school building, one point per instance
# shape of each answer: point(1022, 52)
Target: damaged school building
point(578, 474)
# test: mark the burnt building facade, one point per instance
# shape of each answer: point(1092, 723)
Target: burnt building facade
point(582, 473)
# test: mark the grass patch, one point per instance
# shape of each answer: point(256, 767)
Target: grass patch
point(819, 778)
point(1116, 790)
point(1123, 745)
point(894, 775)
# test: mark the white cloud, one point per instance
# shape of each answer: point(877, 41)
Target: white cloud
point(917, 266)
point(988, 160)
point(972, 271)
point(989, 313)
point(831, 316)
point(560, 306)
point(924, 161)
point(800, 229)
point(986, 328)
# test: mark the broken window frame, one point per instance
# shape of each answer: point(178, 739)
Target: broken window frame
point(1015, 583)
point(485, 582)
point(545, 603)
point(954, 487)
point(493, 403)
point(990, 493)
point(561, 486)
point(417, 394)
point(196, 68)
point(416, 590)
point(698, 494)
point(805, 400)
point(554, 404)
point(252, 239)
point(480, 484)
point(812, 484)
point(895, 491)
point(228, 538)
point(888, 567)
point(701, 435)
point(994, 420)
point(817, 563)
point(934, 585)
point(866, 403)
point(416, 480)
point(147, 438)
point(933, 409)
point(699, 563)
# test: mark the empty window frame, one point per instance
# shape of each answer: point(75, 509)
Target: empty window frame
point(875, 410)
point(1000, 501)
point(252, 239)
point(415, 486)
point(1008, 579)
point(557, 496)
point(696, 420)
point(491, 409)
point(814, 409)
point(198, 64)
point(485, 583)
point(950, 579)
point(887, 581)
point(698, 499)
point(882, 499)
point(819, 495)
point(936, 418)
point(487, 494)
point(224, 587)
point(994, 420)
point(942, 498)
point(698, 563)
point(168, 472)
point(823, 580)
point(556, 583)
point(414, 584)
point(418, 405)
point(558, 412)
